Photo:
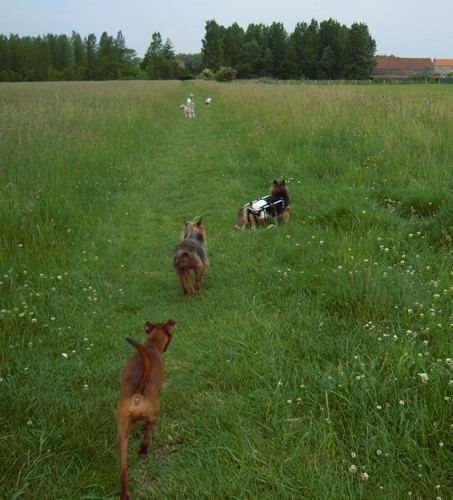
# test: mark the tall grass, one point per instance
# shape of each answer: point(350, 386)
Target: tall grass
point(316, 361)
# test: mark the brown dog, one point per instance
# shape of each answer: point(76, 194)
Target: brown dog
point(140, 383)
point(190, 255)
point(272, 206)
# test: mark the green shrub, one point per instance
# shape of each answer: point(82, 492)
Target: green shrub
point(225, 74)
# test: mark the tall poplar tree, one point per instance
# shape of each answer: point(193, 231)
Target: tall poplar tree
point(305, 44)
point(159, 60)
point(232, 45)
point(278, 43)
point(78, 57)
point(212, 46)
point(332, 44)
point(90, 50)
point(360, 52)
point(107, 67)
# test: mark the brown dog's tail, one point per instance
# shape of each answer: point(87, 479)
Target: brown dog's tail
point(146, 366)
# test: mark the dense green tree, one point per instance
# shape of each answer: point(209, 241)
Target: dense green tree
point(78, 57)
point(257, 58)
point(252, 60)
point(120, 48)
point(151, 61)
point(91, 57)
point(43, 68)
point(168, 61)
point(360, 51)
point(212, 46)
point(60, 51)
point(159, 60)
point(328, 63)
point(232, 45)
point(304, 50)
point(107, 59)
point(332, 41)
point(4, 59)
point(278, 43)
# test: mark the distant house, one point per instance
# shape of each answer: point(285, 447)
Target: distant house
point(444, 66)
point(403, 67)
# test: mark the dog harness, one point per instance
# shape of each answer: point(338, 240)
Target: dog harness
point(262, 207)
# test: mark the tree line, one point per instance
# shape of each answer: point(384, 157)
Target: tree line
point(325, 50)
point(59, 57)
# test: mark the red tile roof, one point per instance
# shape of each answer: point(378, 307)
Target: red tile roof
point(443, 62)
point(403, 67)
point(404, 63)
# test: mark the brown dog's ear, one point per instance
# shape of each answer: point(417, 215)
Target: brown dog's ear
point(275, 183)
point(199, 222)
point(148, 327)
point(283, 183)
point(170, 323)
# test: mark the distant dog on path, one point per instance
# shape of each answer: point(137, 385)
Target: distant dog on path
point(189, 112)
point(190, 255)
point(258, 211)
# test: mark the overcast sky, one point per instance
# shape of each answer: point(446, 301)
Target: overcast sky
point(406, 28)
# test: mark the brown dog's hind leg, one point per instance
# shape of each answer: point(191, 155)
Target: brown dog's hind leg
point(286, 214)
point(124, 432)
point(241, 221)
point(142, 451)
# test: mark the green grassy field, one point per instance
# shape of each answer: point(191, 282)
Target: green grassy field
point(315, 362)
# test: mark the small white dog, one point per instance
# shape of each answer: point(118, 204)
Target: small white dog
point(189, 112)
point(208, 101)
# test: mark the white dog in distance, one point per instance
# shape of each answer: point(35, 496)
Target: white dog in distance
point(189, 107)
point(189, 112)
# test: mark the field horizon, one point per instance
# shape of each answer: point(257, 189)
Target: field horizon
point(316, 361)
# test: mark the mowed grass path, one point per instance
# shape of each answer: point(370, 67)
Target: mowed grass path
point(316, 361)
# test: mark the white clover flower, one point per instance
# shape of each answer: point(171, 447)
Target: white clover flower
point(353, 469)
point(65, 356)
point(364, 476)
point(424, 377)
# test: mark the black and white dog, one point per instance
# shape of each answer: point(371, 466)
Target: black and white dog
point(258, 211)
